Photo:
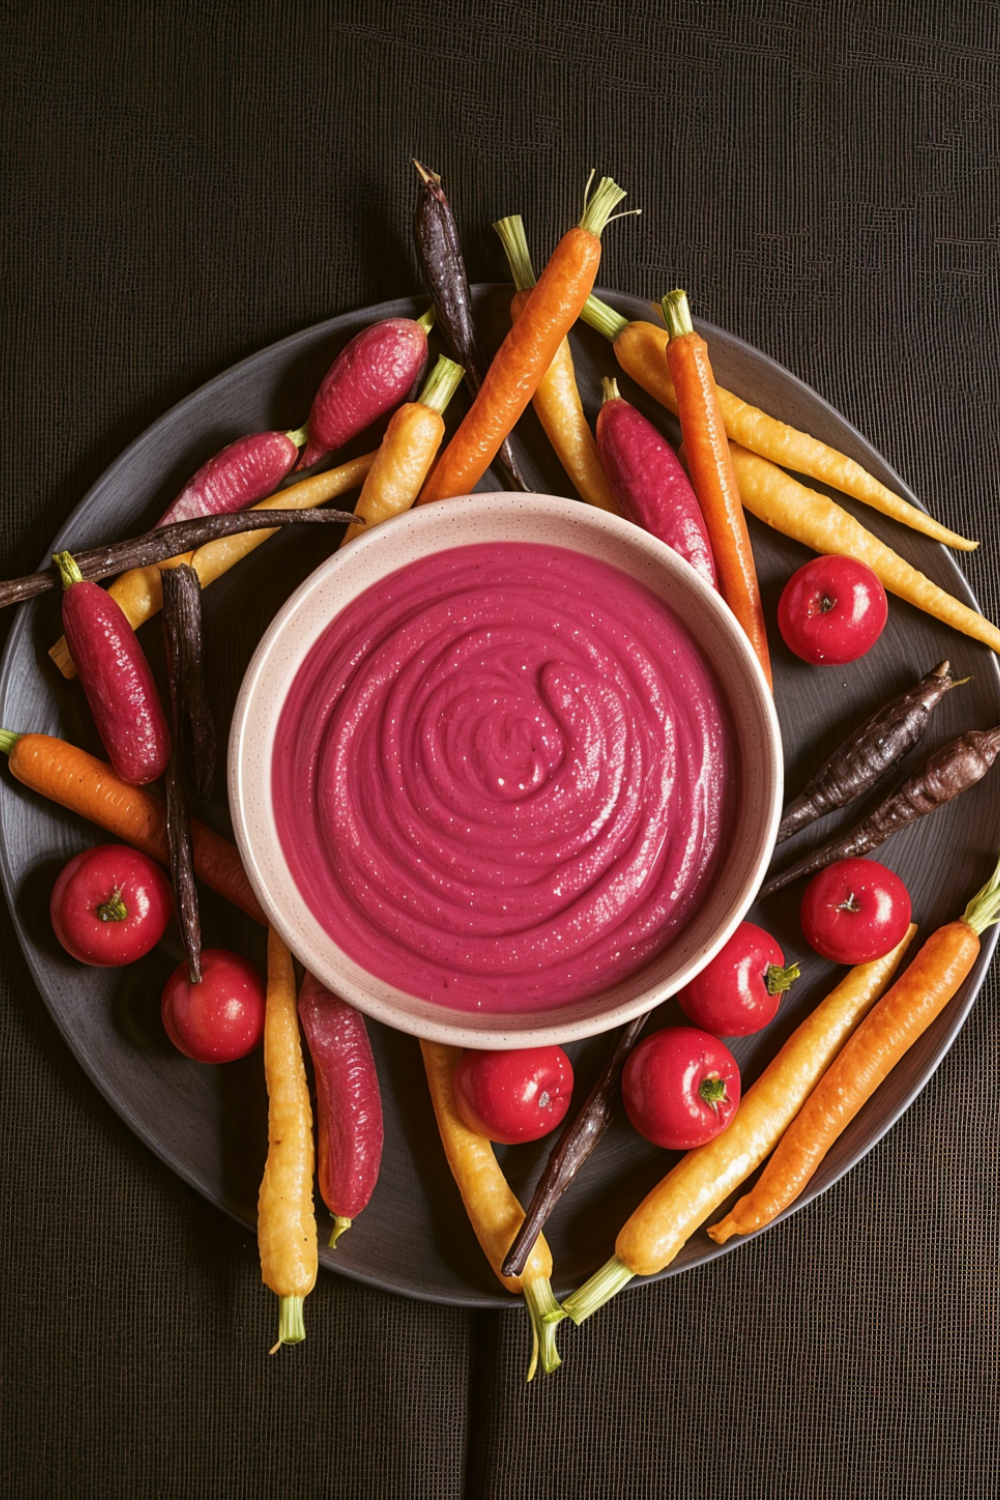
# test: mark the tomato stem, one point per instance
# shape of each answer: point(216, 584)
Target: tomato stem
point(544, 1312)
point(777, 980)
point(713, 1090)
point(114, 909)
point(291, 1325)
point(601, 1287)
point(340, 1226)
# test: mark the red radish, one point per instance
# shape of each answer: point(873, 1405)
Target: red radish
point(221, 1017)
point(110, 905)
point(243, 473)
point(116, 678)
point(348, 1102)
point(649, 482)
point(370, 376)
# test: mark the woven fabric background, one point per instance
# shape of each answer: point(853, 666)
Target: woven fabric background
point(184, 183)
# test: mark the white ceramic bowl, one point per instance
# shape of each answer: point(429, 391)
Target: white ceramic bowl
point(494, 518)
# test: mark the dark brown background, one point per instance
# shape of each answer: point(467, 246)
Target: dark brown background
point(182, 185)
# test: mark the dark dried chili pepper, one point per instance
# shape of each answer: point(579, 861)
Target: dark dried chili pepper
point(163, 543)
point(869, 751)
point(573, 1147)
point(440, 254)
point(950, 771)
point(194, 726)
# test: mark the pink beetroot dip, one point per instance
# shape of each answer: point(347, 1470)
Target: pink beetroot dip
point(500, 776)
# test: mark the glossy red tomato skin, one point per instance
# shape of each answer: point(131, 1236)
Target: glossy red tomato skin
point(661, 1083)
point(832, 610)
point(90, 881)
point(220, 1019)
point(730, 996)
point(854, 911)
point(515, 1096)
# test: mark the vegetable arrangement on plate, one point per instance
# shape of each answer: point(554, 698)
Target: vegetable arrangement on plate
point(681, 1086)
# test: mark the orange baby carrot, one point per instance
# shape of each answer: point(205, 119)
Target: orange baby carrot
point(712, 474)
point(557, 401)
point(901, 1016)
point(526, 352)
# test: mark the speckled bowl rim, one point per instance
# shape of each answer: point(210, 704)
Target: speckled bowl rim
point(491, 517)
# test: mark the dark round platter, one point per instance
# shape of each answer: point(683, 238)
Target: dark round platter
point(209, 1124)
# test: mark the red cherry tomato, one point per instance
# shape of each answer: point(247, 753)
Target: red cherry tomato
point(855, 911)
point(680, 1087)
point(832, 610)
point(513, 1096)
point(739, 992)
point(221, 1018)
point(110, 905)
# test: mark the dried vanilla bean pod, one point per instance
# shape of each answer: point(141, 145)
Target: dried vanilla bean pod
point(194, 724)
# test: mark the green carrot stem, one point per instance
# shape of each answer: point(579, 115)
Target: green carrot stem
point(677, 314)
point(441, 384)
point(299, 436)
point(599, 208)
point(69, 573)
point(291, 1325)
point(8, 739)
point(984, 909)
point(340, 1226)
point(515, 244)
point(601, 1287)
point(426, 320)
point(544, 1312)
point(603, 318)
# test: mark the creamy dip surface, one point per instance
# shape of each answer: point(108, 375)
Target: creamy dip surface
point(501, 776)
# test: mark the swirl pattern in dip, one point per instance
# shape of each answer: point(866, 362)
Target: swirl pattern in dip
point(500, 777)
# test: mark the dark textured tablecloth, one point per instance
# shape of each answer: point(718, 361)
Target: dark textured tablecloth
point(184, 183)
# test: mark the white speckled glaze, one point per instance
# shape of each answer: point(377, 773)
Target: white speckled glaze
point(494, 518)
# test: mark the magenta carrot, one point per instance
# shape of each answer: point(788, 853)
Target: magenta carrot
point(348, 1102)
point(116, 678)
point(649, 482)
point(371, 375)
point(241, 474)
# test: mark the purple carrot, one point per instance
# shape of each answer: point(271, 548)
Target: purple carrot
point(116, 678)
point(243, 473)
point(349, 1128)
point(371, 375)
point(649, 482)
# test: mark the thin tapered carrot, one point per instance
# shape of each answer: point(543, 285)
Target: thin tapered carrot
point(88, 786)
point(820, 523)
point(408, 449)
point(526, 352)
point(139, 592)
point(883, 1038)
point(557, 401)
point(640, 348)
point(668, 1216)
point(712, 475)
point(493, 1210)
point(286, 1218)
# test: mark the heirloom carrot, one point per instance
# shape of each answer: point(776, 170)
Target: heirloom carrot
point(408, 449)
point(286, 1221)
point(904, 1014)
point(706, 1176)
point(527, 351)
point(712, 474)
point(640, 348)
point(139, 592)
point(557, 401)
point(820, 523)
point(88, 786)
point(493, 1210)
